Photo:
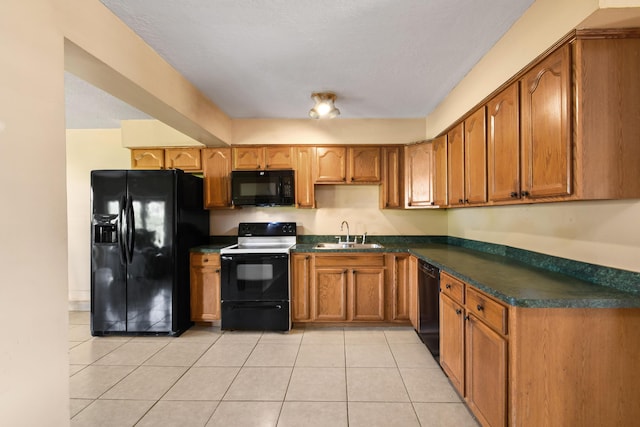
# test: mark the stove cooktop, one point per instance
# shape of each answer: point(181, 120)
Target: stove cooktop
point(263, 237)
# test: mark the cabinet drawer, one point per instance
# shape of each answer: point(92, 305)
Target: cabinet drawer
point(350, 261)
point(452, 287)
point(205, 259)
point(491, 312)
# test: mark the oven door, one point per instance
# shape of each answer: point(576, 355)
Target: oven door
point(254, 277)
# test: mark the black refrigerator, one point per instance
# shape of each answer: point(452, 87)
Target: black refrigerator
point(142, 226)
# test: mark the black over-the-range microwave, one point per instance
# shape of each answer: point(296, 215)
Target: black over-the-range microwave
point(262, 188)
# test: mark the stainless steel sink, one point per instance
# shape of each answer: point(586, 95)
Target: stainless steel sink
point(351, 246)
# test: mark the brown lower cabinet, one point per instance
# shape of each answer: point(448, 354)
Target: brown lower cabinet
point(205, 287)
point(518, 366)
point(341, 287)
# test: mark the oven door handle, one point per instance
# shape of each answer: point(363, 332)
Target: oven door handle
point(260, 307)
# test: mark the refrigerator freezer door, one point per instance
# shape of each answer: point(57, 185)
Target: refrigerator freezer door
point(108, 272)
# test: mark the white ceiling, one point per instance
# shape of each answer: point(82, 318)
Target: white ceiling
point(264, 58)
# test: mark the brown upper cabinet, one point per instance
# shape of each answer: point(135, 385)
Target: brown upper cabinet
point(147, 158)
point(607, 126)
point(217, 178)
point(186, 158)
point(364, 165)
point(455, 165)
point(263, 157)
point(391, 190)
point(304, 166)
point(579, 119)
point(546, 127)
point(439, 171)
point(475, 158)
point(331, 165)
point(418, 163)
point(348, 165)
point(503, 145)
point(467, 161)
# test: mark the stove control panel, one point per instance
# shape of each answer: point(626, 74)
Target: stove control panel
point(252, 229)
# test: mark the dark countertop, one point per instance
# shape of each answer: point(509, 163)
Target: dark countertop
point(512, 281)
point(211, 248)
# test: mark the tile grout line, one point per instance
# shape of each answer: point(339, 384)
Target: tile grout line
point(176, 381)
point(402, 379)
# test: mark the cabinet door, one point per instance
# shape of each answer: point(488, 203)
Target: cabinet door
point(300, 287)
point(440, 196)
point(205, 287)
point(364, 164)
point(504, 145)
point(248, 158)
point(475, 158)
point(401, 294)
point(455, 163)
point(305, 190)
point(217, 177)
point(367, 294)
point(414, 305)
point(330, 294)
point(452, 341)
point(331, 165)
point(418, 162)
point(147, 158)
point(278, 157)
point(546, 136)
point(486, 373)
point(187, 159)
point(391, 188)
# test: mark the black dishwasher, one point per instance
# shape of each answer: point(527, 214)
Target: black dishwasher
point(429, 299)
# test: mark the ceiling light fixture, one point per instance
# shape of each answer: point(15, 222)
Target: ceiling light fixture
point(324, 108)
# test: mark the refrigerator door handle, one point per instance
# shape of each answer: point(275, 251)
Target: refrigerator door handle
point(122, 231)
point(131, 230)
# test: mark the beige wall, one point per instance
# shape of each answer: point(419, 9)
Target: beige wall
point(153, 133)
point(86, 150)
point(356, 204)
point(599, 232)
point(33, 218)
point(342, 131)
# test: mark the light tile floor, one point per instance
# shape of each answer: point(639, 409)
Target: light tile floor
point(307, 377)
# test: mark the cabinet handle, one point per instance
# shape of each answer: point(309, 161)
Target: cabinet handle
point(525, 194)
point(458, 311)
point(258, 167)
point(205, 260)
point(217, 270)
point(460, 201)
point(479, 307)
point(514, 195)
point(467, 317)
point(448, 286)
point(466, 200)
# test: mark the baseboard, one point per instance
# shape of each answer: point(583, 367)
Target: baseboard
point(79, 305)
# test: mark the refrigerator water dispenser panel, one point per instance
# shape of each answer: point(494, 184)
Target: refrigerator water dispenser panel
point(105, 229)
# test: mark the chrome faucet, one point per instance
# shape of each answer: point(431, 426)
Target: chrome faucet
point(342, 226)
